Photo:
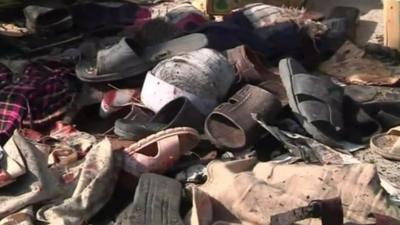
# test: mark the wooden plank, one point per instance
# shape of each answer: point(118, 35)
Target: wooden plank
point(392, 23)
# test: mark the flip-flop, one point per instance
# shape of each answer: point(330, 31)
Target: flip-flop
point(123, 59)
point(177, 113)
point(387, 144)
point(315, 101)
point(159, 152)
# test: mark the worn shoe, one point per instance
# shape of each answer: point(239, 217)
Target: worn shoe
point(126, 59)
point(231, 126)
point(178, 113)
point(156, 202)
point(315, 101)
point(159, 152)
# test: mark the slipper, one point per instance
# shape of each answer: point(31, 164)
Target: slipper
point(115, 63)
point(43, 20)
point(159, 152)
point(315, 101)
point(156, 202)
point(12, 30)
point(230, 125)
point(177, 113)
point(387, 144)
point(123, 61)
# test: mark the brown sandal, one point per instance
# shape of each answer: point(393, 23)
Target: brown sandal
point(230, 125)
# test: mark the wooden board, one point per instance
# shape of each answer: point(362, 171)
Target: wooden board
point(392, 23)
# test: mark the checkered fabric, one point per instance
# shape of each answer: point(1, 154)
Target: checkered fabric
point(41, 95)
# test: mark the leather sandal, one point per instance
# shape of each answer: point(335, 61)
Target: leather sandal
point(230, 125)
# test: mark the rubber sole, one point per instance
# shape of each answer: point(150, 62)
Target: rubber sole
point(156, 202)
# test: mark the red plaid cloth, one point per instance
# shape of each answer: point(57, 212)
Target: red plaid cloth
point(42, 95)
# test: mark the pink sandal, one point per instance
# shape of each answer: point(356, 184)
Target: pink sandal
point(159, 152)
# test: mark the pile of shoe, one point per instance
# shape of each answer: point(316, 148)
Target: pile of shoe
point(199, 113)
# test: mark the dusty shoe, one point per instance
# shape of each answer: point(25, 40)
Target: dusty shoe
point(230, 125)
point(204, 73)
point(249, 67)
point(43, 20)
point(178, 113)
point(157, 201)
point(159, 152)
point(123, 60)
point(315, 100)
